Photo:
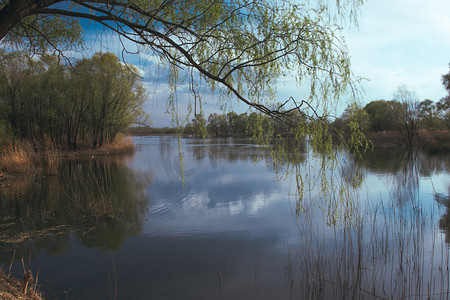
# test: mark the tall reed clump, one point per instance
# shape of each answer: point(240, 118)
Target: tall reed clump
point(16, 157)
point(121, 144)
point(52, 156)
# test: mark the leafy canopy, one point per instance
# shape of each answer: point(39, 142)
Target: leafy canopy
point(242, 45)
point(96, 98)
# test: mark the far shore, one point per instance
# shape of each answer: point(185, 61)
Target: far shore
point(427, 140)
point(22, 158)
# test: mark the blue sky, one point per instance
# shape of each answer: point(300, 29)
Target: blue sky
point(402, 42)
point(397, 42)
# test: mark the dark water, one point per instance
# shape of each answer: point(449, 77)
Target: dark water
point(129, 228)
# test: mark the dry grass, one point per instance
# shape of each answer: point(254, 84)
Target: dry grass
point(120, 145)
point(14, 289)
point(429, 140)
point(20, 157)
point(435, 140)
point(52, 156)
point(16, 158)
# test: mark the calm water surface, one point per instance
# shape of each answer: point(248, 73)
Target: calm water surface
point(129, 228)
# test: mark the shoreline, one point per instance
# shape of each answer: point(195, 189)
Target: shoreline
point(47, 161)
point(432, 141)
point(22, 157)
point(12, 288)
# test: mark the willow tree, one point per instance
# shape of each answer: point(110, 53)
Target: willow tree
point(115, 93)
point(241, 48)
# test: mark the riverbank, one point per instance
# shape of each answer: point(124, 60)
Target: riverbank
point(428, 140)
point(14, 289)
point(23, 157)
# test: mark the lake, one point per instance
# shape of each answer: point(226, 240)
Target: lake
point(226, 221)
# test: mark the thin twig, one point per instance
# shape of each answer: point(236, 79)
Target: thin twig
point(12, 261)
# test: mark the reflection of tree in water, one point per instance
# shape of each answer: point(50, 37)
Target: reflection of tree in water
point(396, 159)
point(229, 149)
point(387, 254)
point(406, 169)
point(99, 202)
point(406, 180)
point(351, 172)
point(444, 222)
point(234, 150)
point(415, 165)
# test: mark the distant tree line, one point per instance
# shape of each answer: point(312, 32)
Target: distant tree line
point(92, 100)
point(233, 124)
point(404, 114)
point(221, 125)
point(230, 124)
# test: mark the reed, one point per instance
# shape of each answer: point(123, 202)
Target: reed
point(52, 156)
point(12, 288)
point(16, 157)
point(394, 251)
point(120, 145)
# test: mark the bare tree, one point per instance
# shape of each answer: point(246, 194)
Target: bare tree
point(409, 115)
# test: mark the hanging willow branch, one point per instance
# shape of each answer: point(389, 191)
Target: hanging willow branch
point(243, 46)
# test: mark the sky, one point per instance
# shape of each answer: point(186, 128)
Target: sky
point(401, 42)
point(397, 42)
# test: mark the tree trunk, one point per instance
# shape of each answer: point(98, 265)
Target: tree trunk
point(9, 17)
point(16, 10)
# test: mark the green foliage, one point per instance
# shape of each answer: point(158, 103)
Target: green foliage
point(352, 128)
point(198, 126)
point(353, 114)
point(218, 124)
point(384, 115)
point(147, 130)
point(95, 99)
point(40, 34)
point(446, 81)
point(17, 80)
point(112, 92)
point(443, 106)
point(241, 48)
point(237, 123)
point(428, 115)
point(405, 115)
point(396, 116)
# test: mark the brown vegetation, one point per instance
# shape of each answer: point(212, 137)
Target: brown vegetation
point(120, 145)
point(14, 289)
point(22, 157)
point(16, 157)
point(429, 140)
point(52, 156)
point(386, 139)
point(435, 140)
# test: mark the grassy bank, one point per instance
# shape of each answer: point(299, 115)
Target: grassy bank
point(22, 157)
